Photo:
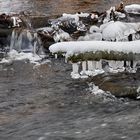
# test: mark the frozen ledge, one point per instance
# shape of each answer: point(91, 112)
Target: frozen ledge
point(96, 50)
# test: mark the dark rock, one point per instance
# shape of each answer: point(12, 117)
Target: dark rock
point(120, 85)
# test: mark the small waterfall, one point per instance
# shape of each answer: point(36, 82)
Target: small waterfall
point(23, 40)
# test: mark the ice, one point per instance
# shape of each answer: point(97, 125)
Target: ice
point(115, 66)
point(118, 31)
point(16, 21)
point(75, 71)
point(14, 55)
point(91, 66)
point(94, 34)
point(134, 8)
point(108, 13)
point(75, 16)
point(98, 65)
point(91, 37)
point(94, 29)
point(61, 36)
point(56, 56)
point(84, 69)
point(100, 94)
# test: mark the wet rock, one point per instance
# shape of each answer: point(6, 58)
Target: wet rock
point(120, 85)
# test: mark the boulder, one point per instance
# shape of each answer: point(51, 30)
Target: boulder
point(120, 84)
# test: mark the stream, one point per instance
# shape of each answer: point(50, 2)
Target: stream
point(43, 102)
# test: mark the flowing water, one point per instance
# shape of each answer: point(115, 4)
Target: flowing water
point(42, 102)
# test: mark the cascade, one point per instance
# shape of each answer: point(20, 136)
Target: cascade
point(23, 40)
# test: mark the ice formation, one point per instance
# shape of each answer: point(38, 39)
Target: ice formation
point(118, 31)
point(14, 55)
point(94, 67)
point(134, 8)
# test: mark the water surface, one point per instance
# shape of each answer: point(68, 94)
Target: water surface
point(44, 103)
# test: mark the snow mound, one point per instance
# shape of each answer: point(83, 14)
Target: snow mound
point(118, 31)
point(134, 8)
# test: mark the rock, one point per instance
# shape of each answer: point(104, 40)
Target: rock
point(120, 84)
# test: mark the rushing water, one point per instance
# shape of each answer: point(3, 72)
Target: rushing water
point(42, 102)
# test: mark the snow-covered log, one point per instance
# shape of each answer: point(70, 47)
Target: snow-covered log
point(96, 50)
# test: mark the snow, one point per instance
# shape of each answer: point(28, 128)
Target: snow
point(89, 68)
point(133, 8)
point(61, 36)
point(90, 37)
point(71, 48)
point(16, 21)
point(99, 93)
point(75, 16)
point(94, 29)
point(118, 31)
point(14, 55)
point(75, 71)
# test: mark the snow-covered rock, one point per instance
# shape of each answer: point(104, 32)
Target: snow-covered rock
point(134, 8)
point(118, 31)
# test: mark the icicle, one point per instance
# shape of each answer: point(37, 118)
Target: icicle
point(112, 64)
point(14, 21)
point(98, 65)
point(94, 65)
point(56, 56)
point(135, 64)
point(66, 61)
point(128, 63)
point(131, 66)
point(84, 68)
point(91, 68)
point(120, 66)
point(75, 71)
point(99, 69)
